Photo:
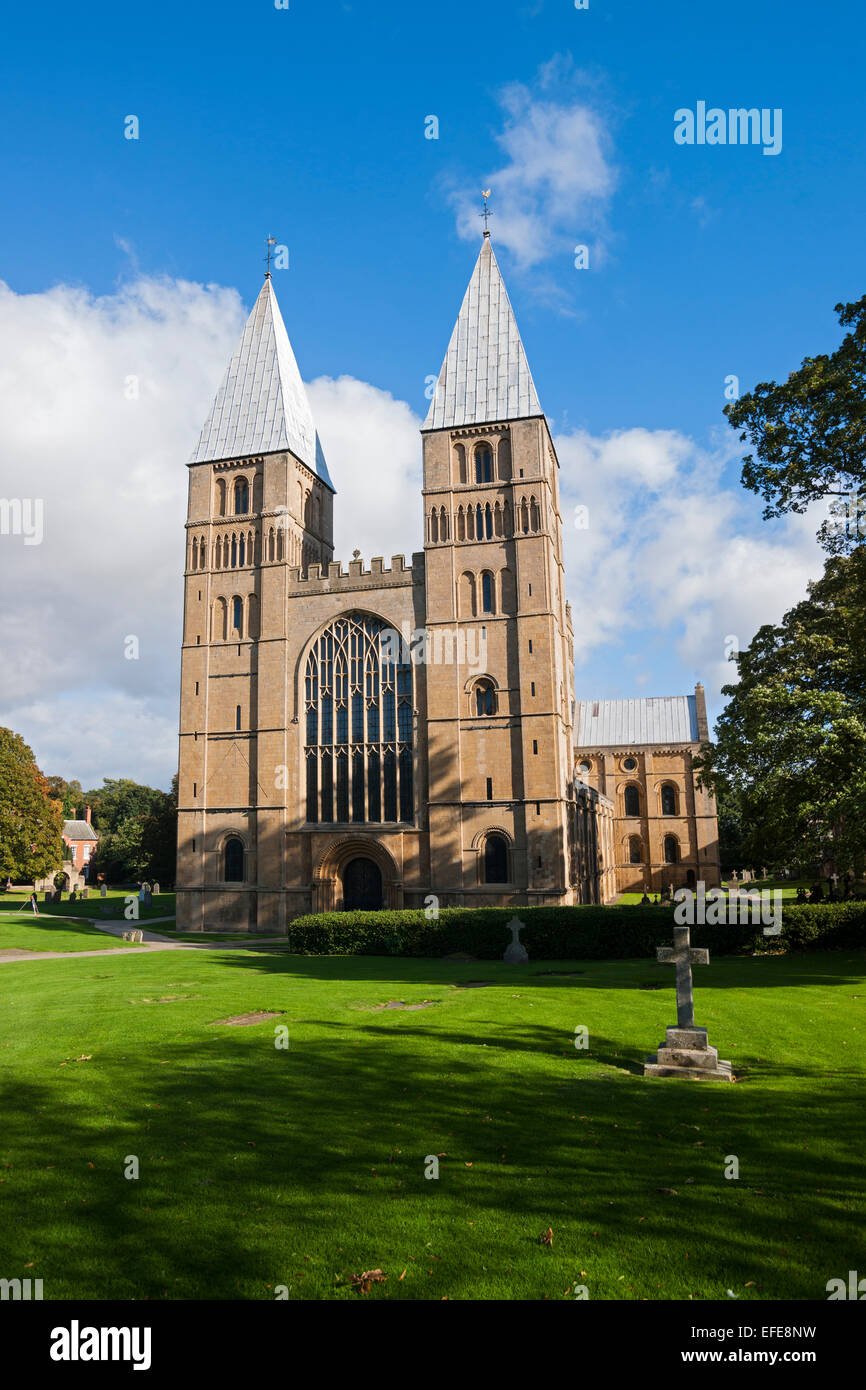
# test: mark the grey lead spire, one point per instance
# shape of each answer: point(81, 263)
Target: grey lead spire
point(485, 375)
point(261, 406)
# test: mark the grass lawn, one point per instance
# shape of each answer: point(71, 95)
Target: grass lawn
point(261, 1167)
point(162, 905)
point(24, 932)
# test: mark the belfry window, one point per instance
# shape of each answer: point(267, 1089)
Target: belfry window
point(359, 725)
point(487, 592)
point(485, 698)
point(483, 464)
point(242, 497)
point(238, 616)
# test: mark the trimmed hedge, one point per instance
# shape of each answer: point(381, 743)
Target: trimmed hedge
point(567, 933)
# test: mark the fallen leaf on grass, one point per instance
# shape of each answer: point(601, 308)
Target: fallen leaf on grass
point(546, 1237)
point(364, 1282)
point(668, 1191)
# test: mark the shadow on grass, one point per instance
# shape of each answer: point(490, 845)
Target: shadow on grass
point(261, 1166)
point(725, 972)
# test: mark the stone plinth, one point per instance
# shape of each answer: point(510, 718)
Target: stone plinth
point(686, 1052)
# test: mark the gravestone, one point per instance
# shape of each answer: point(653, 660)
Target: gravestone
point(103, 891)
point(765, 873)
point(746, 876)
point(84, 892)
point(686, 1051)
point(155, 889)
point(49, 897)
point(515, 953)
point(735, 877)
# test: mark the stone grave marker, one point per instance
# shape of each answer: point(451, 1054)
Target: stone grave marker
point(515, 952)
point(686, 1051)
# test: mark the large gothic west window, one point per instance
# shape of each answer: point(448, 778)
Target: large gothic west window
point(359, 727)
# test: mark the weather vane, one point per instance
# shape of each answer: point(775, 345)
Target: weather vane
point(269, 242)
point(485, 193)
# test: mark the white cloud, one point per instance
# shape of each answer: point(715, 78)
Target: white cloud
point(554, 186)
point(673, 564)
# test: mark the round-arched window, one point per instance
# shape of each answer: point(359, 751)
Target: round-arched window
point(669, 800)
point(496, 859)
point(631, 798)
point(485, 698)
point(233, 860)
point(671, 849)
point(483, 464)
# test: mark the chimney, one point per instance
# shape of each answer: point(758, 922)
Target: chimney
point(87, 815)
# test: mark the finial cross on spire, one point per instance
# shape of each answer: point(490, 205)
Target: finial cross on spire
point(485, 193)
point(269, 242)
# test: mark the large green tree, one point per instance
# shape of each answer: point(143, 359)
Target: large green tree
point(791, 742)
point(126, 817)
point(30, 820)
point(159, 837)
point(808, 436)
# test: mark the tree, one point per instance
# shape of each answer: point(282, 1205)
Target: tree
point(809, 436)
point(122, 811)
point(70, 796)
point(729, 813)
point(30, 820)
point(791, 742)
point(117, 800)
point(159, 837)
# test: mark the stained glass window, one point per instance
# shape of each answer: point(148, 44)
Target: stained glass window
point(352, 680)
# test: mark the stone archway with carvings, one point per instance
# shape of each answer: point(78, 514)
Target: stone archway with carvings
point(328, 874)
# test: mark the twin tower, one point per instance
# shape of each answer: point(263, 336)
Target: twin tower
point(370, 735)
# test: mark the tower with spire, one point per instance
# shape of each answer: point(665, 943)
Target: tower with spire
point(500, 730)
point(260, 509)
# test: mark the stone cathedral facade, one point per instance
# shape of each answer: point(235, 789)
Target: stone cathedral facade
point(368, 735)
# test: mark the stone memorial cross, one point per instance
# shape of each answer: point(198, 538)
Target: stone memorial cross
point(686, 1051)
point(683, 955)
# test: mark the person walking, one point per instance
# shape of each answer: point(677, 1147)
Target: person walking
point(34, 903)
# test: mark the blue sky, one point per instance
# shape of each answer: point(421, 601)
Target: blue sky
point(309, 123)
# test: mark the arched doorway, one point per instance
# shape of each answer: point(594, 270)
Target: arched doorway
point(362, 885)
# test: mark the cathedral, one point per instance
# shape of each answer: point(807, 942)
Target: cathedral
point(369, 735)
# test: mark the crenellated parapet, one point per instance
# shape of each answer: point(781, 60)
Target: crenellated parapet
point(331, 579)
